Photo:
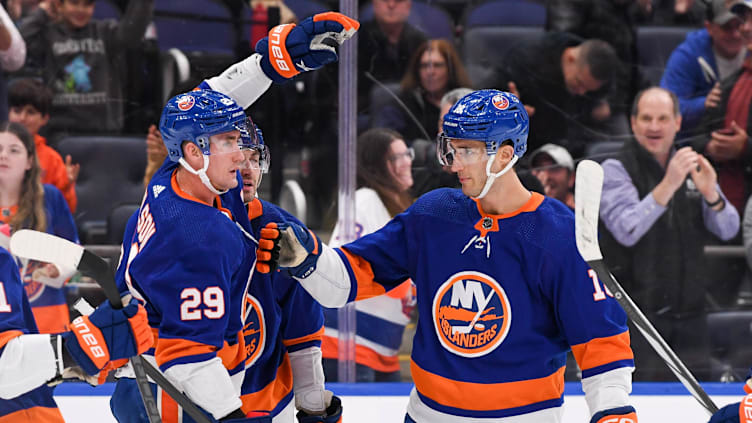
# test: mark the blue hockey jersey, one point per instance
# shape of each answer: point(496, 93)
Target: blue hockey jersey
point(48, 303)
point(501, 299)
point(194, 291)
point(16, 319)
point(280, 317)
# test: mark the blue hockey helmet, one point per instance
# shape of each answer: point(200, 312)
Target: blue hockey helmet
point(491, 116)
point(197, 115)
point(253, 139)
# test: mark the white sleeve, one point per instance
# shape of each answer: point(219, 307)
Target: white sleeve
point(329, 284)
point(27, 362)
point(308, 379)
point(608, 390)
point(244, 81)
point(208, 384)
point(13, 58)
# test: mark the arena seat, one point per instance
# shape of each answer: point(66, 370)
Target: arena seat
point(654, 47)
point(602, 150)
point(195, 25)
point(505, 12)
point(105, 9)
point(730, 337)
point(112, 171)
point(434, 21)
point(484, 48)
point(117, 220)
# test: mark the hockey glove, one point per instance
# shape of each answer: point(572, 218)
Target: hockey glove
point(624, 414)
point(291, 49)
point(299, 249)
point(108, 334)
point(267, 254)
point(333, 414)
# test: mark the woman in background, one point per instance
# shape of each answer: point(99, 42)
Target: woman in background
point(434, 70)
point(27, 204)
point(384, 178)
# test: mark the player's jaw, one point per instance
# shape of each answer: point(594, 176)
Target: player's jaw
point(223, 168)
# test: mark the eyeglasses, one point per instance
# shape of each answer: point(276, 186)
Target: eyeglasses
point(407, 154)
point(432, 65)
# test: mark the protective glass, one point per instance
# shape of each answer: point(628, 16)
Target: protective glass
point(448, 153)
point(258, 161)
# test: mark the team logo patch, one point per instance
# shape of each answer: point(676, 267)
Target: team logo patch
point(500, 102)
point(33, 288)
point(471, 314)
point(186, 102)
point(254, 330)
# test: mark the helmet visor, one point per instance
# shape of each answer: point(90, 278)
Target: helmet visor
point(448, 153)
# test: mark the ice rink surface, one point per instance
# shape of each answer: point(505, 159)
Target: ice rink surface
point(385, 402)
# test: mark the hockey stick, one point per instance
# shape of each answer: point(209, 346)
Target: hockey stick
point(45, 247)
point(588, 186)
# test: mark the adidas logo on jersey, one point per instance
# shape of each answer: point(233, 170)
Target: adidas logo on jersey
point(157, 189)
point(471, 314)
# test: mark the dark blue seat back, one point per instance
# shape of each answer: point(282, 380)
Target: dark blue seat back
point(434, 21)
point(484, 48)
point(194, 25)
point(506, 12)
point(654, 47)
point(112, 172)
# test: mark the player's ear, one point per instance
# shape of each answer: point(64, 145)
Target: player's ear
point(504, 154)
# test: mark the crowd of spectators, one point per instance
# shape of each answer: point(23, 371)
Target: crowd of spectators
point(678, 175)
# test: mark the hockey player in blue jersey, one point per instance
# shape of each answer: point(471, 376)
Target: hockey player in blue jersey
point(502, 291)
point(30, 363)
point(189, 254)
point(284, 325)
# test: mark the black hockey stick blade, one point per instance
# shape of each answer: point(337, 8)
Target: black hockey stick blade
point(45, 247)
point(588, 186)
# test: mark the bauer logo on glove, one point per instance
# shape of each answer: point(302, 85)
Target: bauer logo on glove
point(290, 49)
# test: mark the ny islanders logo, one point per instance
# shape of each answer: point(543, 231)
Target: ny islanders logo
point(471, 314)
point(32, 287)
point(186, 102)
point(254, 330)
point(500, 102)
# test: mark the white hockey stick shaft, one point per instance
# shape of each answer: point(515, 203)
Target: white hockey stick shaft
point(588, 186)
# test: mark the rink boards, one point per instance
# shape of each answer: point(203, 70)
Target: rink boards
point(385, 402)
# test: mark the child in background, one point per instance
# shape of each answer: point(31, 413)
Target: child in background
point(29, 102)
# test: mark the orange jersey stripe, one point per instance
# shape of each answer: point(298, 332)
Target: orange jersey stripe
point(51, 319)
point(363, 355)
point(170, 409)
point(401, 290)
point(170, 349)
point(8, 335)
point(487, 396)
point(364, 276)
point(34, 414)
point(270, 395)
point(316, 336)
point(233, 355)
point(600, 351)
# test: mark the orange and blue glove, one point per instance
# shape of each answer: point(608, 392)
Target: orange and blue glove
point(291, 49)
point(108, 334)
point(626, 414)
point(267, 254)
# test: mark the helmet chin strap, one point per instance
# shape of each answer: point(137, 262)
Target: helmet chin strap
point(201, 174)
point(491, 177)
